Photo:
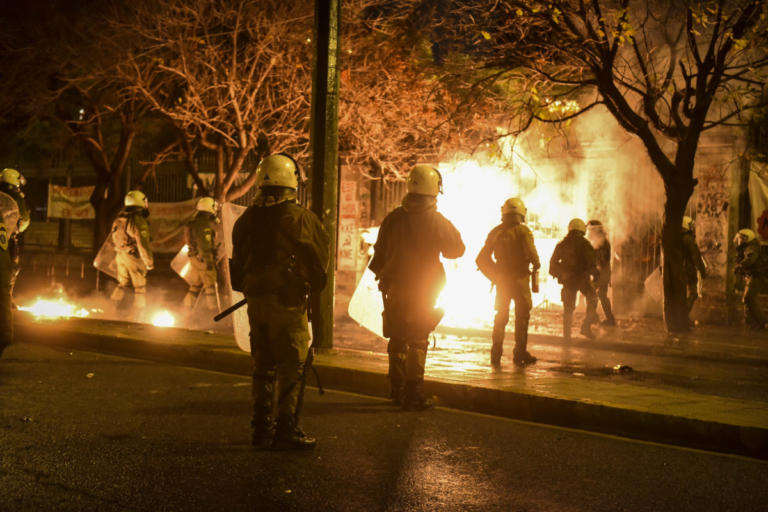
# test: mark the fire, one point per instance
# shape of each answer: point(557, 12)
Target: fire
point(163, 318)
point(55, 308)
point(474, 191)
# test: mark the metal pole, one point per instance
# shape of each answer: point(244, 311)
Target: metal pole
point(324, 143)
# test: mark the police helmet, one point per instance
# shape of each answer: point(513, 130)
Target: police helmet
point(136, 198)
point(424, 179)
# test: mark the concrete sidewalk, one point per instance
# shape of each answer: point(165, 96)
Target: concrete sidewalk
point(706, 390)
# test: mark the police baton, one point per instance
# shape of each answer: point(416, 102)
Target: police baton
point(231, 309)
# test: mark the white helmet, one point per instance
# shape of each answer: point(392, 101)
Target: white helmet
point(744, 236)
point(12, 177)
point(424, 179)
point(136, 198)
point(577, 225)
point(206, 204)
point(278, 171)
point(514, 205)
point(687, 223)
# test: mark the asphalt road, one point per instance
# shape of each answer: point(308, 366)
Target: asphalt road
point(82, 431)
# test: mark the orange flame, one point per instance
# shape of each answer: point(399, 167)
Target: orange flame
point(163, 318)
point(55, 308)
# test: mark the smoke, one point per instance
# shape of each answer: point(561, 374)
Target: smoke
point(594, 170)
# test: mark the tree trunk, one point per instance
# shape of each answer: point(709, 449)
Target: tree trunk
point(106, 200)
point(675, 304)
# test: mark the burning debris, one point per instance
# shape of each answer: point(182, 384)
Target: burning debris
point(55, 308)
point(54, 304)
point(162, 318)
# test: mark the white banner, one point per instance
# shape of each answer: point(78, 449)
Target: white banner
point(758, 200)
point(70, 202)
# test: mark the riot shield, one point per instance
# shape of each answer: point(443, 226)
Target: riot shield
point(10, 213)
point(229, 214)
point(180, 263)
point(366, 304)
point(105, 258)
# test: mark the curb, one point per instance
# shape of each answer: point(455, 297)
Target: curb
point(642, 425)
point(629, 346)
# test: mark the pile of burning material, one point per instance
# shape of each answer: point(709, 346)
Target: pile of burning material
point(55, 308)
point(54, 304)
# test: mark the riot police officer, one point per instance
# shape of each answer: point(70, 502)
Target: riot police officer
point(280, 255)
point(508, 259)
point(406, 262)
point(203, 248)
point(11, 182)
point(751, 264)
point(693, 263)
point(133, 255)
point(6, 271)
point(573, 264)
point(599, 239)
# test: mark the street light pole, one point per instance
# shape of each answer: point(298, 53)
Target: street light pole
point(324, 137)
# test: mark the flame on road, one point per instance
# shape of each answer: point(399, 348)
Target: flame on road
point(55, 308)
point(163, 318)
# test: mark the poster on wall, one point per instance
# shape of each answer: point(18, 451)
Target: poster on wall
point(758, 200)
point(348, 222)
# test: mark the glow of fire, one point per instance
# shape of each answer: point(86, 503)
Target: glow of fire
point(474, 191)
point(55, 308)
point(163, 318)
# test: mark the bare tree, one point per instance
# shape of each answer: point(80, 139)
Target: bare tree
point(75, 83)
point(395, 110)
point(235, 79)
point(667, 71)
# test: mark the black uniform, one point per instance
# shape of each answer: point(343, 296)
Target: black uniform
point(6, 271)
point(506, 259)
point(603, 279)
point(17, 231)
point(200, 235)
point(280, 254)
point(751, 264)
point(692, 262)
point(406, 262)
point(573, 263)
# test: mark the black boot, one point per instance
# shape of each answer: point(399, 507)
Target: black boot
point(567, 324)
point(288, 435)
point(414, 399)
point(586, 330)
point(523, 358)
point(496, 351)
point(263, 429)
point(397, 377)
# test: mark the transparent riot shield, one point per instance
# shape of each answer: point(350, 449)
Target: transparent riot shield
point(180, 263)
point(105, 258)
point(229, 214)
point(366, 304)
point(10, 213)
